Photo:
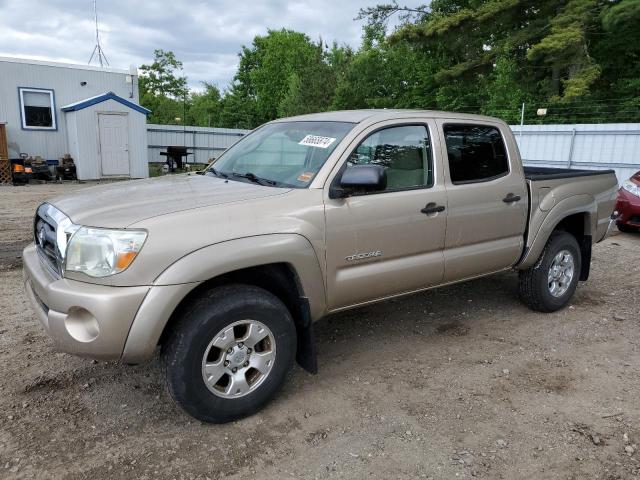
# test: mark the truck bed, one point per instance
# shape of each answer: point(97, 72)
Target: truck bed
point(546, 173)
point(553, 191)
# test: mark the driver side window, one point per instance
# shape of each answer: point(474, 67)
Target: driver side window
point(404, 152)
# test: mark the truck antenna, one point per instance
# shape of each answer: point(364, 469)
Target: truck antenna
point(98, 52)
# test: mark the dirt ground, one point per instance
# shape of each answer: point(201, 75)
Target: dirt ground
point(458, 382)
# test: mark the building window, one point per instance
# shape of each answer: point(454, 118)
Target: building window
point(38, 109)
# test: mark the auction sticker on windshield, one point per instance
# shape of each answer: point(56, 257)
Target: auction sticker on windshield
point(316, 141)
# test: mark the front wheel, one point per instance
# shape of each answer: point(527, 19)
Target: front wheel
point(551, 282)
point(229, 353)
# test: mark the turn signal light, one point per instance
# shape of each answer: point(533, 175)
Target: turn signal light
point(124, 259)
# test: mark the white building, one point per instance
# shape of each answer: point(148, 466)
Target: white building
point(92, 113)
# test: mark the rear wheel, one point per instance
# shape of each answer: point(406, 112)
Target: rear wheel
point(551, 282)
point(229, 353)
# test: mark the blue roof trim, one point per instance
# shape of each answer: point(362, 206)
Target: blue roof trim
point(101, 98)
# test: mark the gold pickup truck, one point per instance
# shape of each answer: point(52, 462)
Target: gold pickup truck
point(226, 271)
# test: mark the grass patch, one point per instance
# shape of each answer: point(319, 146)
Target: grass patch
point(155, 168)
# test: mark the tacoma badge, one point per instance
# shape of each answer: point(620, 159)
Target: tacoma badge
point(362, 256)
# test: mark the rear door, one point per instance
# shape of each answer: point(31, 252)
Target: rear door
point(487, 199)
point(381, 244)
point(114, 143)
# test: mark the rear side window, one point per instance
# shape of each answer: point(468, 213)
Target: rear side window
point(476, 153)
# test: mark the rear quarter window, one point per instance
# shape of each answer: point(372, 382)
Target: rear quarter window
point(476, 153)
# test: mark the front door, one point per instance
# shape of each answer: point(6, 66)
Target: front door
point(382, 243)
point(114, 144)
point(487, 211)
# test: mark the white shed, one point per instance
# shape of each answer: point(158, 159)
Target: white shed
point(107, 137)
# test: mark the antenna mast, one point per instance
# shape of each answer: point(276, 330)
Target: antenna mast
point(98, 53)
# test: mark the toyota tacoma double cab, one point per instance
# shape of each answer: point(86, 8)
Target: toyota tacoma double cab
point(227, 270)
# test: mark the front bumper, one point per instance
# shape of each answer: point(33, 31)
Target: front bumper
point(82, 319)
point(628, 208)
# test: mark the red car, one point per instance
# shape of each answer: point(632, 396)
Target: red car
point(628, 205)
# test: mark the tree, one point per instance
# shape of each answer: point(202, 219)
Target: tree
point(238, 109)
point(293, 102)
point(161, 90)
point(477, 56)
point(204, 108)
point(266, 69)
point(505, 94)
point(565, 50)
point(160, 77)
point(482, 54)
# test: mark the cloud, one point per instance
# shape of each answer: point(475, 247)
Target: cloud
point(205, 35)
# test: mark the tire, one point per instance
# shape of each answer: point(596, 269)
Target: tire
point(208, 323)
point(626, 228)
point(535, 284)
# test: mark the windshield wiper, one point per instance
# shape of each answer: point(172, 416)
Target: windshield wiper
point(252, 177)
point(217, 173)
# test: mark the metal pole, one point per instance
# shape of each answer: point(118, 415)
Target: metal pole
point(521, 121)
point(573, 139)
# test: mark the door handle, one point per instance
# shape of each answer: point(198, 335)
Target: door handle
point(510, 198)
point(432, 208)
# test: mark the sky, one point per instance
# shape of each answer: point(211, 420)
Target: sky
point(205, 35)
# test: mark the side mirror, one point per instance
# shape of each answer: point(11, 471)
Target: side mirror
point(360, 179)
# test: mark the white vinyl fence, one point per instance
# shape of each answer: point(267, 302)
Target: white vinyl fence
point(203, 143)
point(583, 146)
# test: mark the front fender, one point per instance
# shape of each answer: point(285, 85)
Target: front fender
point(225, 257)
point(176, 281)
point(548, 221)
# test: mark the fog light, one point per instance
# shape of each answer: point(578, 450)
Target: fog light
point(81, 325)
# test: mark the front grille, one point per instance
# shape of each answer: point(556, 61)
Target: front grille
point(44, 230)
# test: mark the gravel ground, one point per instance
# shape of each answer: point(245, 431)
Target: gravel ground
point(458, 382)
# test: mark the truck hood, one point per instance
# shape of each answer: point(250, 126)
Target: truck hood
point(118, 205)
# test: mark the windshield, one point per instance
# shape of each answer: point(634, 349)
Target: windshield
point(287, 154)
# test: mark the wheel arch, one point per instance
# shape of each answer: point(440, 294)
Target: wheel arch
point(576, 215)
point(284, 264)
point(279, 279)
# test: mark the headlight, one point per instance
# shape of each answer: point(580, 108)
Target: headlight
point(632, 188)
point(99, 252)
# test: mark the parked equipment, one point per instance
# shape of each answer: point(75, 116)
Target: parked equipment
point(39, 167)
point(66, 169)
point(174, 156)
point(20, 175)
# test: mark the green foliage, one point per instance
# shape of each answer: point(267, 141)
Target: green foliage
point(504, 93)
point(269, 65)
point(161, 90)
point(293, 102)
point(580, 59)
point(204, 108)
point(160, 77)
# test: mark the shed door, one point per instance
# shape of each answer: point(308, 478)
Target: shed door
point(114, 144)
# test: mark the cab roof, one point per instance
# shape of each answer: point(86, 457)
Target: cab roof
point(378, 115)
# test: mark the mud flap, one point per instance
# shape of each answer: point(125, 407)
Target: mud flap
point(585, 256)
point(306, 354)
